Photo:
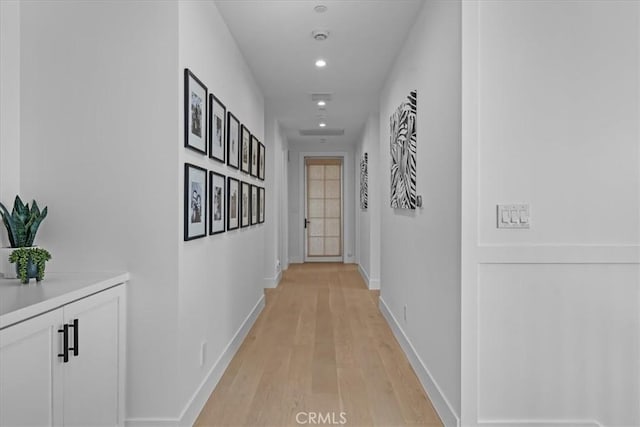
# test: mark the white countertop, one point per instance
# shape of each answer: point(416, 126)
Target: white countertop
point(19, 302)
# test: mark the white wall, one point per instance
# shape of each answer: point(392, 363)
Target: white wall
point(221, 276)
point(551, 118)
point(9, 104)
point(296, 206)
point(282, 168)
point(99, 136)
point(368, 220)
point(420, 251)
point(276, 201)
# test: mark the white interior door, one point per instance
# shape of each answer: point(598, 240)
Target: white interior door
point(323, 210)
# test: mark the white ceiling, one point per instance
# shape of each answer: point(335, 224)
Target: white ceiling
point(275, 38)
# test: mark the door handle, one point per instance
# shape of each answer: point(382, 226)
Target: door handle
point(306, 221)
point(65, 343)
point(74, 325)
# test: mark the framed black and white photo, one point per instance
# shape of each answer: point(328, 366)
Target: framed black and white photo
point(255, 153)
point(245, 161)
point(195, 201)
point(404, 144)
point(195, 113)
point(233, 203)
point(233, 141)
point(217, 185)
point(261, 161)
point(245, 212)
point(217, 128)
point(254, 204)
point(261, 205)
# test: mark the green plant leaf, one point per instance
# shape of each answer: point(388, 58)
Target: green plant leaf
point(34, 225)
point(21, 230)
point(23, 223)
point(9, 224)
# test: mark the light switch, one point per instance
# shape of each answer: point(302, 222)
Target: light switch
point(513, 216)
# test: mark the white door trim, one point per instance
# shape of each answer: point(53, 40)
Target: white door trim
point(303, 198)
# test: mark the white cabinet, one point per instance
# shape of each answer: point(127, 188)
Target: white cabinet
point(30, 373)
point(39, 388)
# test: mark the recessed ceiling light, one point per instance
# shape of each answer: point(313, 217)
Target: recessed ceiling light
point(322, 124)
point(320, 8)
point(320, 63)
point(321, 103)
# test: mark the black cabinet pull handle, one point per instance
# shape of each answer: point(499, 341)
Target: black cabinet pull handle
point(65, 343)
point(74, 325)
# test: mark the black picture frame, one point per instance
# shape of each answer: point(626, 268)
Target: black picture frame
point(195, 119)
point(254, 204)
point(217, 128)
point(195, 202)
point(261, 161)
point(245, 151)
point(261, 204)
point(217, 203)
point(254, 155)
point(233, 204)
point(245, 202)
point(233, 141)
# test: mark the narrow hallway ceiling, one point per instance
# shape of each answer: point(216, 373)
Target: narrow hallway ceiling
point(275, 37)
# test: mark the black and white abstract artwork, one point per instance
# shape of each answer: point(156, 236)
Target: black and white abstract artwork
point(403, 154)
point(364, 181)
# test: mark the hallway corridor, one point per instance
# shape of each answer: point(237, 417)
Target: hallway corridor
point(320, 347)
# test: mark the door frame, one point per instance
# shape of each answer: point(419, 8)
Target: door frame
point(342, 155)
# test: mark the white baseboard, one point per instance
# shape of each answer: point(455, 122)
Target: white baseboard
point(430, 386)
point(196, 403)
point(272, 282)
point(372, 284)
point(151, 422)
point(199, 398)
point(539, 423)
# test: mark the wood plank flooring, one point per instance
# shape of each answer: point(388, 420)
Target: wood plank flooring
point(320, 351)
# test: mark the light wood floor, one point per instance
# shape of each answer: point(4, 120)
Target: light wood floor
point(320, 345)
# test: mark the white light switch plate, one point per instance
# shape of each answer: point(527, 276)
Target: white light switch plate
point(513, 216)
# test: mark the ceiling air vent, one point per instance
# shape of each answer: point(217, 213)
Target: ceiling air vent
point(321, 132)
point(320, 35)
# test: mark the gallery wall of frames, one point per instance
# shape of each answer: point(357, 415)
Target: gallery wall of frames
point(213, 201)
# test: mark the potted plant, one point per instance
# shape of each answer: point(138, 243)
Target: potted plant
point(29, 263)
point(22, 225)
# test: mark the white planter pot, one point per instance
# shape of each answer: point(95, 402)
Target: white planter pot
point(7, 269)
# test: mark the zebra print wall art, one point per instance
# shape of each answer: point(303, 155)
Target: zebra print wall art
point(364, 181)
point(403, 154)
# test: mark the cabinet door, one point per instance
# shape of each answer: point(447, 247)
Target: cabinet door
point(94, 378)
point(31, 372)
